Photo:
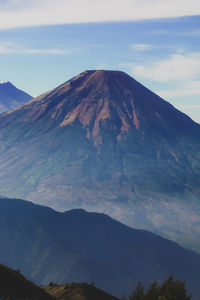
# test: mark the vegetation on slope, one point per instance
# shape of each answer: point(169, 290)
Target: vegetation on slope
point(14, 286)
point(77, 291)
point(170, 289)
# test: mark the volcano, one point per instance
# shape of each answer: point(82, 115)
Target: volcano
point(104, 142)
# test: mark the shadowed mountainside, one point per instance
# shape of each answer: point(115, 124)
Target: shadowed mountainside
point(77, 246)
point(14, 286)
point(104, 142)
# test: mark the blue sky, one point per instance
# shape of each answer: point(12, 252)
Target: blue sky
point(43, 46)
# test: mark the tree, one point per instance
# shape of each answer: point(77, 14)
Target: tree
point(169, 290)
point(138, 293)
point(153, 292)
point(174, 289)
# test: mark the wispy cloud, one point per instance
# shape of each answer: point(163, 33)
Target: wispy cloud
point(184, 33)
point(160, 32)
point(20, 13)
point(102, 65)
point(192, 33)
point(141, 47)
point(188, 106)
point(10, 48)
point(177, 67)
point(186, 89)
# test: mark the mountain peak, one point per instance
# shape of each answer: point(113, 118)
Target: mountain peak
point(96, 78)
point(111, 102)
point(101, 100)
point(102, 73)
point(101, 76)
point(114, 101)
point(7, 84)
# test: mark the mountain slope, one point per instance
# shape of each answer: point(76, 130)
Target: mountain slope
point(77, 246)
point(104, 142)
point(14, 286)
point(76, 291)
point(11, 97)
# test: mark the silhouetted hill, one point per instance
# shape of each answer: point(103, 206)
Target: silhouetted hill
point(11, 97)
point(14, 286)
point(104, 142)
point(77, 246)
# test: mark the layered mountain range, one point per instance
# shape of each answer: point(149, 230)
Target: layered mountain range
point(78, 246)
point(11, 97)
point(104, 142)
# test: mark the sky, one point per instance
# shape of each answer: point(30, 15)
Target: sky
point(45, 43)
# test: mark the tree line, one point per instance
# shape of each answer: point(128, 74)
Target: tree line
point(170, 289)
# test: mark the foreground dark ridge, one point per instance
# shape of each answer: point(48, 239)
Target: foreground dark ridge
point(14, 286)
point(104, 142)
point(77, 246)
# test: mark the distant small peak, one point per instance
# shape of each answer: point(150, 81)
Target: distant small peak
point(7, 83)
